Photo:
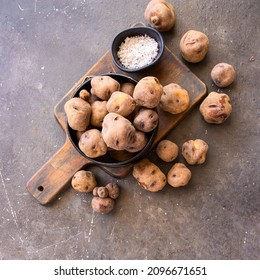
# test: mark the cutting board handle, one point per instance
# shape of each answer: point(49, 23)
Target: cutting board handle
point(52, 178)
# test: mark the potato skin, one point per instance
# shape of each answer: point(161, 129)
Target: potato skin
point(148, 92)
point(195, 151)
point(146, 120)
point(167, 150)
point(92, 144)
point(121, 103)
point(83, 181)
point(194, 46)
point(102, 205)
point(104, 86)
point(139, 142)
point(223, 74)
point(99, 111)
point(149, 176)
point(216, 108)
point(127, 88)
point(117, 131)
point(175, 99)
point(179, 175)
point(78, 113)
point(160, 15)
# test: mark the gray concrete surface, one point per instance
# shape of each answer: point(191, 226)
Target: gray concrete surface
point(45, 47)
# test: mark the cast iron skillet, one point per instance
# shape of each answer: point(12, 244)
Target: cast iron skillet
point(107, 160)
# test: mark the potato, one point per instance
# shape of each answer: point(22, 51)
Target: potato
point(149, 176)
point(92, 144)
point(160, 15)
point(179, 175)
point(148, 92)
point(83, 181)
point(175, 99)
point(194, 46)
point(121, 103)
point(195, 151)
point(216, 108)
point(84, 94)
point(113, 190)
point(146, 120)
point(104, 86)
point(78, 113)
point(117, 131)
point(223, 74)
point(99, 111)
point(167, 150)
point(102, 205)
point(127, 88)
point(139, 142)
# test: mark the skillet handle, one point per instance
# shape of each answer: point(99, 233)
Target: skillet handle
point(52, 178)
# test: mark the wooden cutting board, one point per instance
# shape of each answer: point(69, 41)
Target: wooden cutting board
point(53, 177)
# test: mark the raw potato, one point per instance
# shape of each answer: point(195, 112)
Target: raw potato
point(92, 144)
point(83, 181)
point(179, 175)
point(223, 74)
point(127, 88)
point(149, 176)
point(104, 86)
point(78, 113)
point(175, 99)
point(160, 15)
point(146, 120)
point(195, 151)
point(194, 46)
point(102, 192)
point(117, 131)
point(99, 111)
point(102, 205)
point(113, 190)
point(121, 103)
point(139, 142)
point(167, 150)
point(148, 92)
point(84, 94)
point(216, 108)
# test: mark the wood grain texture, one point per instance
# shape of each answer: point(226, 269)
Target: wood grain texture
point(53, 177)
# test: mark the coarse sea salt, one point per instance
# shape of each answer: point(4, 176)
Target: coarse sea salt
point(137, 51)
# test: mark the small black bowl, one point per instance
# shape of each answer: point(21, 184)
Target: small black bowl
point(136, 31)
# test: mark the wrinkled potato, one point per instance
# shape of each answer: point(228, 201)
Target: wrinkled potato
point(167, 150)
point(127, 88)
point(194, 46)
point(121, 103)
point(83, 181)
point(149, 176)
point(195, 151)
point(139, 142)
point(104, 86)
point(216, 108)
point(113, 190)
point(160, 15)
point(175, 99)
point(92, 144)
point(179, 175)
point(223, 74)
point(99, 111)
point(146, 120)
point(148, 92)
point(78, 113)
point(117, 131)
point(102, 205)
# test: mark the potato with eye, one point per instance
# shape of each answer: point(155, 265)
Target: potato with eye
point(92, 144)
point(167, 150)
point(179, 175)
point(121, 103)
point(223, 74)
point(148, 92)
point(83, 181)
point(102, 205)
point(149, 176)
point(175, 99)
point(104, 86)
point(99, 111)
point(117, 131)
point(127, 88)
point(194, 46)
point(139, 142)
point(78, 113)
point(195, 151)
point(146, 120)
